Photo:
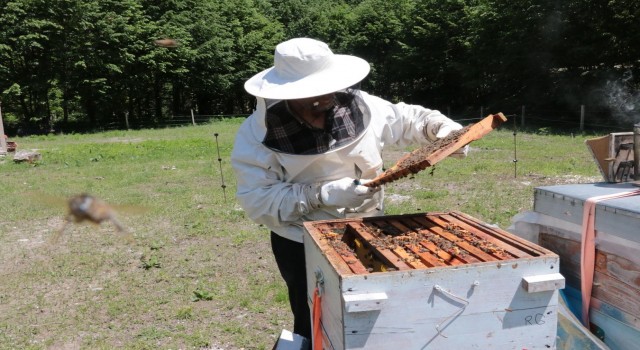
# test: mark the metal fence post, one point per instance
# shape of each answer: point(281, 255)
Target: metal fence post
point(3, 142)
point(581, 117)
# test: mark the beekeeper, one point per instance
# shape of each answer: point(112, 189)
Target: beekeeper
point(313, 139)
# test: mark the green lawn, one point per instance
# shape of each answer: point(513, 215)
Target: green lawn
point(199, 275)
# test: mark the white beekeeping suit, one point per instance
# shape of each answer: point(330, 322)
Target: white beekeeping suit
point(310, 144)
point(282, 190)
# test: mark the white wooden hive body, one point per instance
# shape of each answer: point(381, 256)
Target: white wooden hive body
point(505, 303)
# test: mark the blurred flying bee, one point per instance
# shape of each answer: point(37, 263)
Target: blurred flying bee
point(87, 208)
point(84, 207)
point(166, 42)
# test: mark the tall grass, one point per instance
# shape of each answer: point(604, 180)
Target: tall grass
point(200, 274)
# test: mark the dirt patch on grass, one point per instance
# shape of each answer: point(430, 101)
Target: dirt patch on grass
point(169, 289)
point(121, 139)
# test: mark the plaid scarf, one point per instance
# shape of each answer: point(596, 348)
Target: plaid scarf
point(285, 133)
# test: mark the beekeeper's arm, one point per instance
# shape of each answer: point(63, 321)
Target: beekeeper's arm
point(408, 124)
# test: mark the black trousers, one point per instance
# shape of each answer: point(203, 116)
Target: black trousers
point(289, 256)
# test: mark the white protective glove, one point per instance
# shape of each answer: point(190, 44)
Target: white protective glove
point(345, 193)
point(441, 129)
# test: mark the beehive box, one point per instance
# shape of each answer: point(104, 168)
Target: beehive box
point(556, 223)
point(432, 280)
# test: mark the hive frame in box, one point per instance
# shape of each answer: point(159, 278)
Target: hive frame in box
point(500, 304)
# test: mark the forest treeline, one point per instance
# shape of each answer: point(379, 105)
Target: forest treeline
point(76, 65)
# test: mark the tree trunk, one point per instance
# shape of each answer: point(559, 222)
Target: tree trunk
point(157, 98)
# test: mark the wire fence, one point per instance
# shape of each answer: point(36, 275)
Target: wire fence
point(173, 121)
point(583, 119)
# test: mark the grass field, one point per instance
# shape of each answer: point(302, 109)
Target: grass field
point(199, 274)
